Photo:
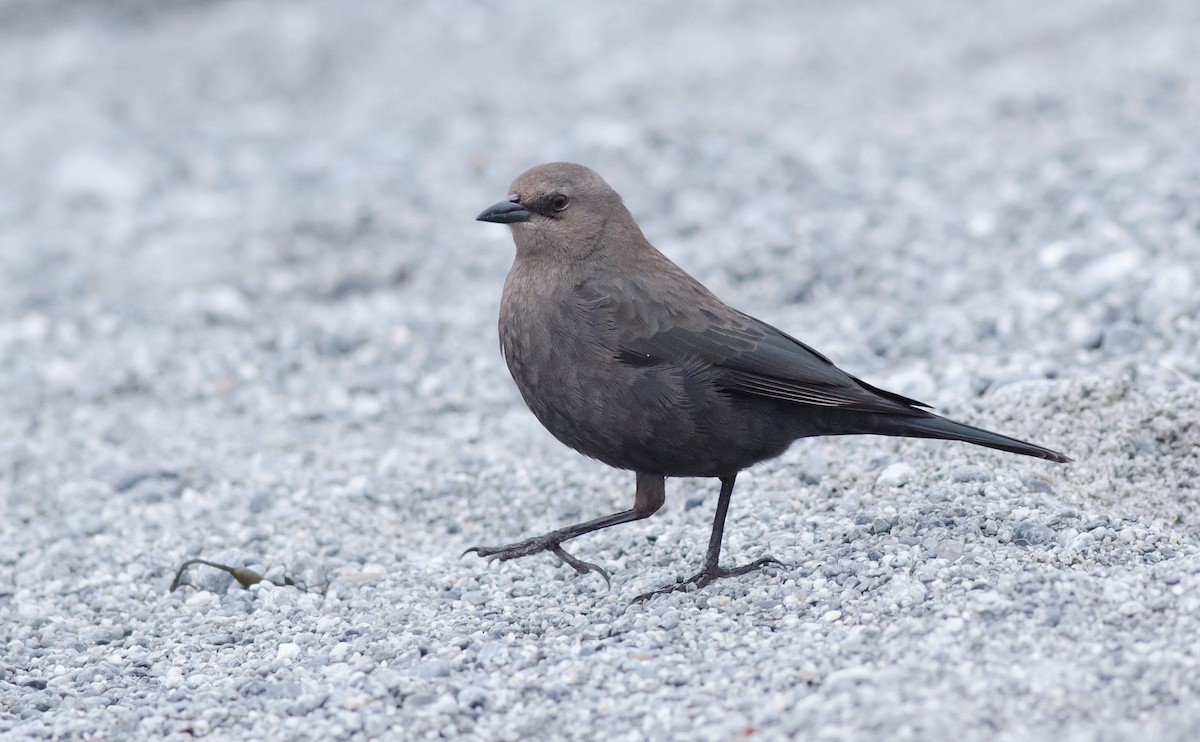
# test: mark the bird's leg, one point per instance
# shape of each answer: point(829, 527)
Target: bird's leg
point(712, 559)
point(649, 497)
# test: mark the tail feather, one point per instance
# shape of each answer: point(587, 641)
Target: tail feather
point(946, 429)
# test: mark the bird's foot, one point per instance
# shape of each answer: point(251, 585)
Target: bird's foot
point(707, 575)
point(550, 542)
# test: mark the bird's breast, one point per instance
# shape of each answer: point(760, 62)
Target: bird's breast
point(553, 352)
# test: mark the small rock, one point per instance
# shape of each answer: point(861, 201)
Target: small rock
point(949, 549)
point(254, 687)
point(473, 697)
point(881, 525)
point(1102, 273)
point(1129, 535)
point(368, 573)
point(812, 469)
point(307, 704)
point(1144, 444)
point(971, 474)
point(896, 475)
point(1032, 534)
point(219, 305)
point(356, 701)
point(202, 598)
point(1038, 485)
point(131, 477)
point(1122, 338)
point(433, 668)
point(475, 597)
point(420, 700)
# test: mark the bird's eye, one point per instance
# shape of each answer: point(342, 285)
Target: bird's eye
point(559, 202)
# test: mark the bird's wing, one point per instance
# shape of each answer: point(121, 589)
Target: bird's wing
point(754, 358)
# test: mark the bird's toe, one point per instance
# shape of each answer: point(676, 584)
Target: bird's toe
point(707, 576)
point(579, 565)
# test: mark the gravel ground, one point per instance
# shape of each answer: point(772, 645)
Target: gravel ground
point(246, 315)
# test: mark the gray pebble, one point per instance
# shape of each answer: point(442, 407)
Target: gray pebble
point(1032, 534)
point(473, 697)
point(971, 474)
point(432, 668)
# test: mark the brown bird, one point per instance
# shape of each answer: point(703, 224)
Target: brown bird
point(626, 358)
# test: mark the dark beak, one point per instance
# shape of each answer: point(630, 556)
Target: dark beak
point(507, 211)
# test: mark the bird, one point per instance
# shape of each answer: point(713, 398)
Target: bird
point(626, 358)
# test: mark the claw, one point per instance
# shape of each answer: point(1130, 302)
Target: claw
point(581, 566)
point(764, 562)
point(707, 576)
point(534, 546)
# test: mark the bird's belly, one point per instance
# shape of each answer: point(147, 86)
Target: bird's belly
point(663, 419)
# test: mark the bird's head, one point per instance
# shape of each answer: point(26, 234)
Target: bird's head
point(559, 208)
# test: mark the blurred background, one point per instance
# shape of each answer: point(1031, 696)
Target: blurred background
point(164, 155)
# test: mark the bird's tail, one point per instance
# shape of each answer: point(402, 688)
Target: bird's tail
point(945, 429)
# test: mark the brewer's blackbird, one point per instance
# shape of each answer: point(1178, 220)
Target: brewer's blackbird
point(626, 358)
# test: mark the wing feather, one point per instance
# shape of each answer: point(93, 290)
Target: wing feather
point(757, 359)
